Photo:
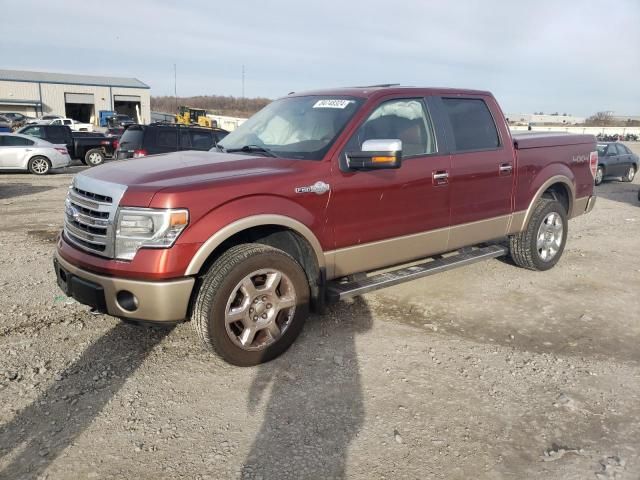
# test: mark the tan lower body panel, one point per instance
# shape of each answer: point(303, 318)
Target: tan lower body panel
point(398, 250)
point(162, 301)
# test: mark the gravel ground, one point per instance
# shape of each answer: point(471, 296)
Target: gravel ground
point(486, 372)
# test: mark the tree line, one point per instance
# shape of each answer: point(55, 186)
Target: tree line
point(216, 104)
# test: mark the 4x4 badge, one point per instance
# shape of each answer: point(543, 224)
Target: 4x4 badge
point(318, 188)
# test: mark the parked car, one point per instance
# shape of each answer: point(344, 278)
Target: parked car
point(73, 125)
point(20, 152)
point(142, 140)
point(119, 121)
point(615, 160)
point(17, 119)
point(306, 200)
point(5, 124)
point(89, 147)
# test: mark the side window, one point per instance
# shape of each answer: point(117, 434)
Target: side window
point(626, 150)
point(10, 141)
point(55, 122)
point(472, 124)
point(403, 119)
point(613, 149)
point(168, 137)
point(35, 132)
point(201, 140)
point(185, 139)
point(67, 122)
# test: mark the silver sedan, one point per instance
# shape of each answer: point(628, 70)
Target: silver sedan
point(21, 152)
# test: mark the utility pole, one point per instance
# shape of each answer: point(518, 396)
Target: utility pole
point(175, 85)
point(243, 82)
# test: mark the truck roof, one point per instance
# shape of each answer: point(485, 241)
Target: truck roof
point(374, 90)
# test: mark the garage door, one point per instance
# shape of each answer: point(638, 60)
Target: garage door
point(86, 98)
point(126, 98)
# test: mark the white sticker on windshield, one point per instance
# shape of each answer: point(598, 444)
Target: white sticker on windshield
point(332, 103)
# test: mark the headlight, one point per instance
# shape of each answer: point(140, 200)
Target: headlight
point(147, 227)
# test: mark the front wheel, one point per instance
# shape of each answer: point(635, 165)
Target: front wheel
point(630, 175)
point(540, 245)
point(39, 165)
point(94, 157)
point(252, 304)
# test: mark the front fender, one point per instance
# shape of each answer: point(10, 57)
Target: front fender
point(221, 223)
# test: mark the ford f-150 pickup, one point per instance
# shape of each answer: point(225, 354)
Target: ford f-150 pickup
point(307, 201)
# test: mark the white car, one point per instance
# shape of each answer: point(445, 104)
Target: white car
point(21, 152)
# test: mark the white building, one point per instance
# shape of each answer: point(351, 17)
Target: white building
point(80, 97)
point(532, 118)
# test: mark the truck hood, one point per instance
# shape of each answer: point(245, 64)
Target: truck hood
point(143, 177)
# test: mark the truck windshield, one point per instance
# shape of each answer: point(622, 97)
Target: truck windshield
point(294, 127)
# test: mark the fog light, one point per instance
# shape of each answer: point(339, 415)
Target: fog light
point(127, 300)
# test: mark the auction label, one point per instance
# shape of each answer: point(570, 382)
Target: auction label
point(332, 103)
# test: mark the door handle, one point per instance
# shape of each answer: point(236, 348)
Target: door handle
point(440, 177)
point(506, 169)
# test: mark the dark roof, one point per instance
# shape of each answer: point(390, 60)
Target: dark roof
point(71, 79)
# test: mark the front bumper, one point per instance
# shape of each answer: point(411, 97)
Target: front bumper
point(162, 301)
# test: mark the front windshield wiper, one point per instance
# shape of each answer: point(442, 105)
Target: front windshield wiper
point(252, 148)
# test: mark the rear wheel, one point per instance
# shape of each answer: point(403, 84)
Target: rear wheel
point(540, 246)
point(252, 304)
point(94, 157)
point(599, 175)
point(39, 165)
point(630, 175)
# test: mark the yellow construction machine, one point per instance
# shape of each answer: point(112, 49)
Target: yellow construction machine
point(193, 116)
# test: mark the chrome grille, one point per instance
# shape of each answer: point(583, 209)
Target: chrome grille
point(90, 215)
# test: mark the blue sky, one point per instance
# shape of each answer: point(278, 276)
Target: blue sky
point(568, 56)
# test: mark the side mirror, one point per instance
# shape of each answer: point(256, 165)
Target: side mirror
point(376, 154)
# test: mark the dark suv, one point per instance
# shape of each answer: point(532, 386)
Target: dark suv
point(142, 140)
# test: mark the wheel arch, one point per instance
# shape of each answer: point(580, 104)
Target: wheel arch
point(559, 187)
point(278, 231)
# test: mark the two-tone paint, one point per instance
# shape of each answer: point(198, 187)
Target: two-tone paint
point(365, 219)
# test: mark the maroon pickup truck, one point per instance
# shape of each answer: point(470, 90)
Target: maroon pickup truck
point(307, 201)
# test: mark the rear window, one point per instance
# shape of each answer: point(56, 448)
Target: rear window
point(472, 124)
point(132, 139)
point(58, 135)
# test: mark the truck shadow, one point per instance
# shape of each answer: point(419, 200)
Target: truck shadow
point(12, 190)
point(315, 405)
point(33, 439)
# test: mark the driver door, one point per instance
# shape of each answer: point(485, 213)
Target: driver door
point(386, 217)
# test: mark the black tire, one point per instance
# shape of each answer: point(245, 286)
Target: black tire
point(630, 175)
point(599, 178)
point(39, 165)
point(219, 283)
point(94, 157)
point(523, 246)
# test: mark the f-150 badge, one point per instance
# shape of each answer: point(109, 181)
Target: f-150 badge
point(318, 188)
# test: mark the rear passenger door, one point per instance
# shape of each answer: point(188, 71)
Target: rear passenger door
point(481, 177)
point(614, 161)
